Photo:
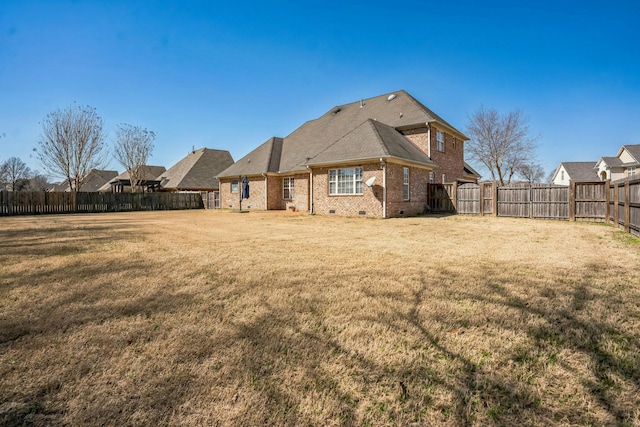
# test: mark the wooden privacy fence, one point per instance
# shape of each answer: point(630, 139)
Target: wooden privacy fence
point(624, 205)
point(40, 202)
point(598, 201)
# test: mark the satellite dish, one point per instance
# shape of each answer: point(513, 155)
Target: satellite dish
point(370, 181)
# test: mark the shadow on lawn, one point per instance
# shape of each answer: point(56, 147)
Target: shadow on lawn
point(292, 365)
point(50, 338)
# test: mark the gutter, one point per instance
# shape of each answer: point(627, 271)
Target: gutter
point(384, 187)
point(266, 192)
point(311, 212)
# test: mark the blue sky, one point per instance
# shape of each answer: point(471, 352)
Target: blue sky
point(202, 74)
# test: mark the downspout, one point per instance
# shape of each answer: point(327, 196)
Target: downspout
point(310, 191)
point(266, 190)
point(384, 188)
point(428, 140)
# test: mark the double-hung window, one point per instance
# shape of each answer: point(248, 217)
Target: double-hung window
point(234, 186)
point(345, 181)
point(440, 141)
point(631, 171)
point(287, 188)
point(405, 183)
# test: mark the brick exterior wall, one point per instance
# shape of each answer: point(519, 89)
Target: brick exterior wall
point(418, 180)
point(232, 200)
point(275, 200)
point(450, 162)
point(369, 202)
point(300, 201)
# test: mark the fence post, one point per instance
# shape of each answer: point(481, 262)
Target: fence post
point(616, 200)
point(481, 197)
point(454, 195)
point(572, 200)
point(495, 198)
point(607, 201)
point(530, 201)
point(627, 207)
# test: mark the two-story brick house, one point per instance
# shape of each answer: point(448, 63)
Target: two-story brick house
point(372, 158)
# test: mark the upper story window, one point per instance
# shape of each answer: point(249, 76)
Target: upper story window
point(562, 175)
point(345, 181)
point(631, 171)
point(234, 186)
point(440, 141)
point(405, 183)
point(287, 188)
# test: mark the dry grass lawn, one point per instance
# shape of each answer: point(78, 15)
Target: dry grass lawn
point(217, 318)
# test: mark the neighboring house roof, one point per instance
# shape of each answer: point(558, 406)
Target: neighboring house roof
point(150, 173)
point(95, 179)
point(397, 110)
point(610, 161)
point(469, 171)
point(197, 171)
point(578, 171)
point(633, 150)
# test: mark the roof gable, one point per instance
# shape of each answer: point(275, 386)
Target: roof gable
point(197, 170)
point(632, 151)
point(264, 159)
point(580, 170)
point(371, 140)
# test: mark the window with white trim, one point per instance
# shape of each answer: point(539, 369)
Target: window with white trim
point(631, 171)
point(432, 177)
point(405, 183)
point(234, 186)
point(440, 141)
point(345, 181)
point(287, 188)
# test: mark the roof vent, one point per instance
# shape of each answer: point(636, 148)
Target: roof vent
point(391, 97)
point(361, 103)
point(337, 110)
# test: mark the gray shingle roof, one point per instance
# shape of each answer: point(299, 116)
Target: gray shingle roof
point(95, 179)
point(151, 173)
point(612, 161)
point(634, 150)
point(265, 158)
point(294, 152)
point(371, 140)
point(197, 171)
point(581, 170)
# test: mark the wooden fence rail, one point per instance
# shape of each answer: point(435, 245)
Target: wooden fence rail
point(597, 201)
point(40, 202)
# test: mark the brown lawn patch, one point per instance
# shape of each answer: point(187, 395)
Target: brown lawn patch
point(215, 318)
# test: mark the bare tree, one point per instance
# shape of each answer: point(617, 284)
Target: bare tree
point(531, 172)
point(500, 142)
point(15, 170)
point(132, 149)
point(37, 182)
point(72, 143)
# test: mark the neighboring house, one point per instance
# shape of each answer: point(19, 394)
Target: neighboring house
point(575, 171)
point(122, 182)
point(470, 174)
point(95, 179)
point(197, 171)
point(371, 158)
point(625, 165)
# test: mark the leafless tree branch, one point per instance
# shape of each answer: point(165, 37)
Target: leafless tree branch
point(132, 149)
point(500, 142)
point(72, 143)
